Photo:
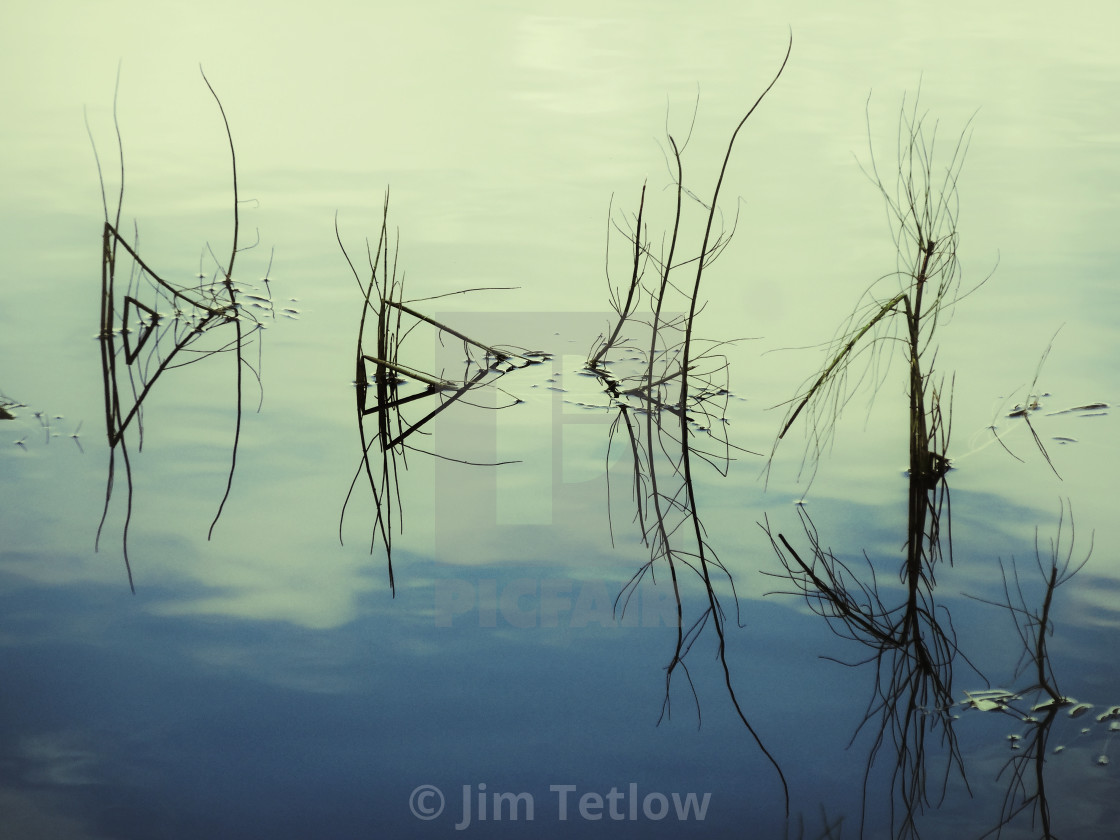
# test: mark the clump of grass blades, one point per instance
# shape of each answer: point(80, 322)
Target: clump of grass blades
point(913, 643)
point(677, 396)
point(195, 312)
point(383, 303)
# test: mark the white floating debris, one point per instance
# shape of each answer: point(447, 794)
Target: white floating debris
point(1080, 709)
point(988, 700)
point(1102, 760)
point(1058, 749)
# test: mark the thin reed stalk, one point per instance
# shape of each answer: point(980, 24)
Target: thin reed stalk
point(166, 342)
point(677, 378)
point(913, 643)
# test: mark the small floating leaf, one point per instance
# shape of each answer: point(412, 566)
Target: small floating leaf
point(1080, 709)
point(985, 705)
point(1051, 703)
point(1098, 406)
point(1102, 760)
point(988, 700)
point(1111, 712)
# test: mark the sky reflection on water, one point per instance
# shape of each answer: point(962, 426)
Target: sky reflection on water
point(263, 683)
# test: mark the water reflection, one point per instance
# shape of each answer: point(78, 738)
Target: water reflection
point(150, 326)
point(668, 389)
point(912, 642)
point(679, 387)
point(676, 391)
point(913, 646)
point(1025, 769)
point(381, 394)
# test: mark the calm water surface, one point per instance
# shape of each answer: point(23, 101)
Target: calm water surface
point(264, 682)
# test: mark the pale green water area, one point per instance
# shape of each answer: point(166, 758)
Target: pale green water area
point(263, 680)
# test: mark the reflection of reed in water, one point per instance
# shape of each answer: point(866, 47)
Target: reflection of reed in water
point(1038, 706)
point(149, 326)
point(382, 393)
point(675, 399)
point(912, 643)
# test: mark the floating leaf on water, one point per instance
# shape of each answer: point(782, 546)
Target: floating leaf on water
point(1058, 749)
point(984, 705)
point(1013, 737)
point(1051, 703)
point(1102, 760)
point(1110, 712)
point(1098, 407)
point(988, 700)
point(1085, 731)
point(1080, 709)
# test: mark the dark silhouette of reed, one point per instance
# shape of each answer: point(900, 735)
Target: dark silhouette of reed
point(671, 409)
point(141, 341)
point(386, 320)
point(1025, 769)
point(911, 644)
